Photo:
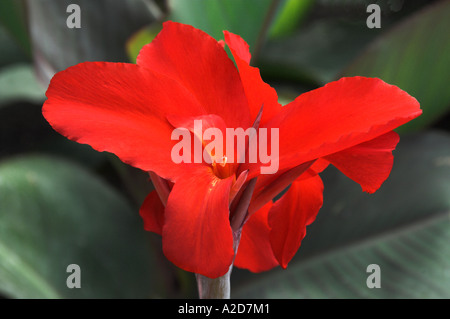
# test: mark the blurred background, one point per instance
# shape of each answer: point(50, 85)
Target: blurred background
point(63, 203)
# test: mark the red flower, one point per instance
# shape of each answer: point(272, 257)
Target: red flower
point(200, 208)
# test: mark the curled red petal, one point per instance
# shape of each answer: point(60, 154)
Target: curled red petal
point(197, 236)
point(152, 213)
point(120, 108)
point(255, 251)
point(291, 214)
point(340, 115)
point(369, 163)
point(320, 165)
point(240, 48)
point(269, 186)
point(200, 64)
point(257, 91)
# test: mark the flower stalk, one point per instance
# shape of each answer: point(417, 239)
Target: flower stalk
point(218, 288)
point(214, 288)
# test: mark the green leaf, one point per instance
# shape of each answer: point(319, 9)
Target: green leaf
point(141, 38)
point(53, 214)
point(316, 53)
point(251, 19)
point(11, 53)
point(246, 18)
point(404, 228)
point(415, 56)
point(291, 14)
point(12, 17)
point(105, 28)
point(18, 83)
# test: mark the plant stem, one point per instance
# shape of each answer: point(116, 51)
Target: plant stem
point(218, 288)
point(214, 288)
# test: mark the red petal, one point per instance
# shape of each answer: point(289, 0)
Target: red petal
point(254, 251)
point(200, 64)
point(197, 236)
point(291, 214)
point(204, 122)
point(369, 163)
point(257, 91)
point(240, 48)
point(320, 165)
point(152, 212)
point(269, 186)
point(338, 116)
point(120, 108)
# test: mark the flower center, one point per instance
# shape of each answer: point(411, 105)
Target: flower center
point(221, 169)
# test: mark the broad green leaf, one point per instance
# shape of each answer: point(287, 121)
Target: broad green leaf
point(141, 38)
point(291, 14)
point(415, 56)
point(12, 17)
point(251, 19)
point(246, 18)
point(404, 228)
point(105, 28)
point(19, 83)
point(53, 214)
point(413, 264)
point(10, 52)
point(316, 53)
point(333, 35)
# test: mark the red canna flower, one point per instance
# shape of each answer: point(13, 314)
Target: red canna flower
point(204, 210)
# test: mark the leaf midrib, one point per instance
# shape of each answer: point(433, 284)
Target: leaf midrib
point(31, 276)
